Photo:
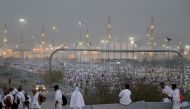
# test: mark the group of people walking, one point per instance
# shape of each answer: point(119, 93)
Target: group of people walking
point(172, 94)
point(76, 102)
point(169, 95)
point(16, 98)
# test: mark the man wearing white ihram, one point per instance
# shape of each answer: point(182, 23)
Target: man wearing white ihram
point(176, 97)
point(167, 93)
point(125, 96)
point(58, 97)
point(77, 101)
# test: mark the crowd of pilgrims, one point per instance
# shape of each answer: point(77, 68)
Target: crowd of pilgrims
point(86, 74)
point(17, 98)
point(110, 72)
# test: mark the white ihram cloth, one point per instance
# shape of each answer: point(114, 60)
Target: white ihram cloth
point(15, 91)
point(35, 103)
point(58, 98)
point(125, 97)
point(176, 99)
point(21, 96)
point(77, 101)
point(168, 91)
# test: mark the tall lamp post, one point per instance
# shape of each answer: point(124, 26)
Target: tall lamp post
point(81, 25)
point(102, 47)
point(55, 30)
point(33, 39)
point(104, 42)
point(22, 22)
point(132, 42)
point(168, 42)
point(80, 44)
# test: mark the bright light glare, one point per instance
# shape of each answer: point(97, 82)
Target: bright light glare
point(131, 38)
point(187, 46)
point(54, 28)
point(22, 20)
point(132, 42)
point(87, 36)
point(80, 43)
point(102, 41)
point(118, 62)
point(80, 23)
point(152, 27)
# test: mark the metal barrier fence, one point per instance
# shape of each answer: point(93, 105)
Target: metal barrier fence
point(181, 60)
point(114, 65)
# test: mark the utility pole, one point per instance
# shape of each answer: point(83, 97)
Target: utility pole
point(42, 42)
point(150, 38)
point(168, 42)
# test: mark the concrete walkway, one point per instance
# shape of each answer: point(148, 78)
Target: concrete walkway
point(139, 105)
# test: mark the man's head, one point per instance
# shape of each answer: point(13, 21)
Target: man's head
point(56, 87)
point(162, 85)
point(174, 86)
point(19, 88)
point(11, 89)
point(5, 90)
point(126, 86)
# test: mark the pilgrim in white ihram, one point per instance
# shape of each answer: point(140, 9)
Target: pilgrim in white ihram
point(34, 103)
point(58, 99)
point(176, 97)
point(168, 91)
point(77, 101)
point(125, 96)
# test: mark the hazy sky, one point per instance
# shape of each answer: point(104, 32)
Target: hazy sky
point(129, 17)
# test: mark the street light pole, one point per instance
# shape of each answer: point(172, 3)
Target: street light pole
point(121, 49)
point(102, 52)
point(80, 24)
point(75, 55)
point(133, 59)
point(127, 47)
point(114, 52)
point(102, 43)
point(33, 39)
point(132, 42)
point(54, 30)
point(22, 22)
point(168, 41)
